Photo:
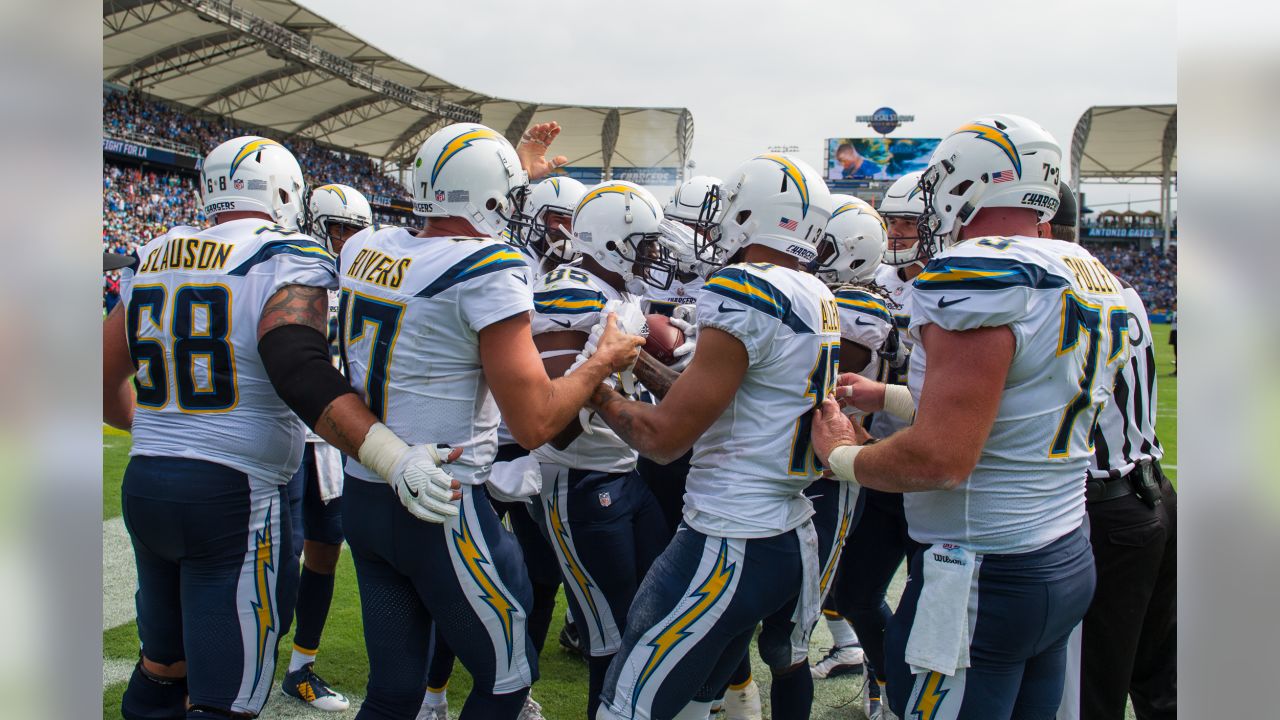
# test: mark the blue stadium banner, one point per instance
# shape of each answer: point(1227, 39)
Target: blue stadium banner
point(1123, 233)
point(637, 175)
point(646, 175)
point(124, 148)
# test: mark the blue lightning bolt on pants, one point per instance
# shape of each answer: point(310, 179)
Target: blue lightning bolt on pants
point(1025, 608)
point(694, 616)
point(217, 577)
point(467, 575)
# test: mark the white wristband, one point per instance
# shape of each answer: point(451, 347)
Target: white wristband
point(381, 450)
point(840, 461)
point(899, 403)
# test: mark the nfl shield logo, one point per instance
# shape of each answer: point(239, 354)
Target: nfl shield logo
point(439, 196)
point(605, 500)
point(239, 183)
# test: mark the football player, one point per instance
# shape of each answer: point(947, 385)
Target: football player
point(223, 331)
point(848, 256)
point(879, 541)
point(548, 214)
point(435, 330)
point(336, 212)
point(740, 698)
point(746, 553)
point(1019, 340)
point(604, 524)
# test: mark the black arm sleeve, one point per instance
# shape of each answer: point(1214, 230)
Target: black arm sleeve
point(296, 358)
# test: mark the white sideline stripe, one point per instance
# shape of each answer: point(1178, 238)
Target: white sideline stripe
point(115, 670)
point(119, 576)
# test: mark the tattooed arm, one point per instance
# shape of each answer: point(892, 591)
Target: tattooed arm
point(295, 350)
point(700, 394)
point(657, 378)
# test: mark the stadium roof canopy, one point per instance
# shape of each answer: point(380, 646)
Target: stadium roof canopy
point(276, 65)
point(1125, 143)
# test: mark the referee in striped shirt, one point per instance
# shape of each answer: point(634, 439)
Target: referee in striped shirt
point(1129, 639)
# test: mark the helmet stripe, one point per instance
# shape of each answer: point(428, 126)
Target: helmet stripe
point(996, 137)
point(797, 179)
point(249, 148)
point(455, 146)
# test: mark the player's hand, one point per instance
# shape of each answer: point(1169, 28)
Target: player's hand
point(853, 390)
point(533, 150)
point(615, 348)
point(831, 429)
point(422, 485)
point(684, 353)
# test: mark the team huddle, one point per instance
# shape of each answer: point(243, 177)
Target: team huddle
point(710, 421)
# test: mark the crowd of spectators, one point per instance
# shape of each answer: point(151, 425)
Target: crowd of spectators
point(1152, 273)
point(130, 112)
point(139, 204)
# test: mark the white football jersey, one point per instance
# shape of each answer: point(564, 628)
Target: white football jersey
point(865, 320)
point(193, 301)
point(750, 466)
point(899, 303)
point(1069, 322)
point(664, 302)
point(571, 299)
point(411, 310)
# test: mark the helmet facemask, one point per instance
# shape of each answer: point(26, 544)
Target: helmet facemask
point(649, 258)
point(706, 229)
point(519, 226)
point(946, 209)
point(548, 240)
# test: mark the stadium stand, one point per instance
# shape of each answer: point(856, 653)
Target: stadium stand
point(133, 114)
point(1154, 274)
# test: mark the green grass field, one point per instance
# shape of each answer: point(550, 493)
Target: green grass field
point(562, 689)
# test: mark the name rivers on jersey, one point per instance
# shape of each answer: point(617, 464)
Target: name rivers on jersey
point(378, 268)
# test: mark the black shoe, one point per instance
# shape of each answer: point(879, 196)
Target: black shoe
point(570, 640)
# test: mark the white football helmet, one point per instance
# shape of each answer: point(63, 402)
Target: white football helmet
point(469, 171)
point(686, 202)
point(335, 204)
point(903, 200)
point(255, 174)
point(995, 161)
point(852, 244)
point(549, 239)
point(771, 200)
point(618, 224)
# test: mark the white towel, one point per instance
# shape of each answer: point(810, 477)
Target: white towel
point(809, 604)
point(515, 481)
point(328, 471)
point(939, 639)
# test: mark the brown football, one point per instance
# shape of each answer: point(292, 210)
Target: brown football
point(663, 339)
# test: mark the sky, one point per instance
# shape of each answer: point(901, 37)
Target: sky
point(756, 74)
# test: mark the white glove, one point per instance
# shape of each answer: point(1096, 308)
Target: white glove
point(422, 486)
point(684, 353)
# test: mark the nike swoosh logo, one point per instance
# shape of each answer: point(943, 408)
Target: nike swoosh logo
point(858, 321)
point(561, 323)
point(726, 308)
point(522, 279)
point(412, 492)
point(943, 302)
